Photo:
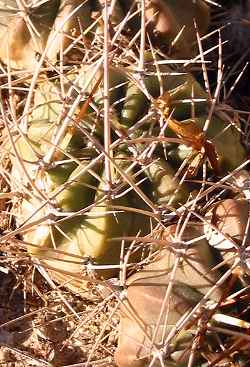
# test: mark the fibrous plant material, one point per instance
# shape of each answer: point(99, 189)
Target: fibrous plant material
point(118, 151)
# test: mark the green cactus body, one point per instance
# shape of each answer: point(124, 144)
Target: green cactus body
point(80, 192)
point(136, 102)
point(81, 237)
point(43, 121)
point(102, 225)
point(226, 139)
point(105, 222)
point(186, 96)
point(47, 103)
point(118, 83)
point(61, 173)
point(166, 188)
point(89, 237)
point(92, 234)
point(135, 105)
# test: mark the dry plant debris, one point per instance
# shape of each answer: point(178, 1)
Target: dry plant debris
point(124, 199)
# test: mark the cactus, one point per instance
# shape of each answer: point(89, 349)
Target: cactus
point(146, 308)
point(106, 132)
